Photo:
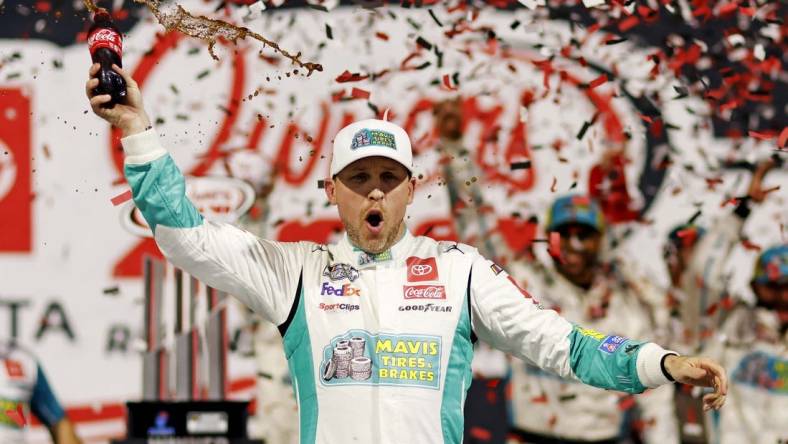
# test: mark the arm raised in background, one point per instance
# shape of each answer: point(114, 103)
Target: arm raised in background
point(263, 274)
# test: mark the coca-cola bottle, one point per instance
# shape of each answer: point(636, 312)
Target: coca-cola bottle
point(106, 48)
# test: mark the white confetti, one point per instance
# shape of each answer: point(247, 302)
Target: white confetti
point(759, 52)
point(532, 4)
point(593, 3)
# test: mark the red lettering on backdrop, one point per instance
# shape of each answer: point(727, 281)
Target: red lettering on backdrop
point(16, 212)
point(130, 265)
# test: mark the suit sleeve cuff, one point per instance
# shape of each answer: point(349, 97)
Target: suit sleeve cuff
point(142, 147)
point(649, 365)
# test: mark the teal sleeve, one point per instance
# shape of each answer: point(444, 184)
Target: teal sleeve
point(159, 191)
point(605, 361)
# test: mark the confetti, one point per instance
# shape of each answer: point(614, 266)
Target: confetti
point(524, 165)
point(598, 81)
point(347, 76)
point(358, 93)
point(329, 33)
point(423, 43)
point(783, 139)
point(121, 198)
point(448, 84)
point(432, 14)
point(552, 187)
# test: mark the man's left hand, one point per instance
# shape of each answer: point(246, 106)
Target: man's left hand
point(702, 372)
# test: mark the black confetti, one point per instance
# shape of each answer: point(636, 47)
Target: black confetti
point(524, 165)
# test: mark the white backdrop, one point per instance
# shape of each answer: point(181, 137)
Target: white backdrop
point(78, 244)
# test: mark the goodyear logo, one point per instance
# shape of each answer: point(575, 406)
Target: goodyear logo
point(373, 137)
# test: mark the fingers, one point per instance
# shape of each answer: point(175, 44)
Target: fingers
point(94, 68)
point(97, 101)
point(89, 86)
point(129, 80)
point(713, 401)
point(720, 377)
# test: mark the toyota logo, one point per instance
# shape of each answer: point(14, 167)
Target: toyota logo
point(421, 269)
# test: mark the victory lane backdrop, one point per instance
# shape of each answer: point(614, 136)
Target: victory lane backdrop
point(70, 261)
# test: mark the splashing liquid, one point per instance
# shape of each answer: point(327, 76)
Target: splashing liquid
point(174, 17)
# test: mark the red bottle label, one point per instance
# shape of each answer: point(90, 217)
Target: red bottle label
point(105, 38)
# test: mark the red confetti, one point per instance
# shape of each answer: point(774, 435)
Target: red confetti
point(598, 81)
point(347, 76)
point(727, 8)
point(750, 246)
point(448, 84)
point(358, 93)
point(120, 198)
point(626, 403)
point(783, 138)
point(539, 399)
point(761, 136)
point(628, 23)
point(481, 433)
point(382, 36)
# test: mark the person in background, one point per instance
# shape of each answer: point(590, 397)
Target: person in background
point(486, 413)
point(753, 346)
point(24, 389)
point(697, 298)
point(604, 296)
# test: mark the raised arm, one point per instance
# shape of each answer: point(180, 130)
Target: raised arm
point(262, 274)
point(507, 318)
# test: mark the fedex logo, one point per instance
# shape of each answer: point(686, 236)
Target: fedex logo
point(420, 270)
point(345, 290)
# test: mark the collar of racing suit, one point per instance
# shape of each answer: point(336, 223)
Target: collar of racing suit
point(361, 259)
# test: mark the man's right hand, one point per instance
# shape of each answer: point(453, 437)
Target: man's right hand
point(129, 117)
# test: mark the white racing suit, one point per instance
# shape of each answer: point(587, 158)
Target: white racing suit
point(379, 346)
point(544, 404)
point(755, 355)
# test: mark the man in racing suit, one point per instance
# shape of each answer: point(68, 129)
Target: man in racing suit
point(24, 389)
point(753, 346)
point(605, 297)
point(697, 299)
point(378, 328)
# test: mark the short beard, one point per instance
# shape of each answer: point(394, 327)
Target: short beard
point(389, 240)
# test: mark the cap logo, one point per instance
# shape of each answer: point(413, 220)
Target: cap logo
point(373, 137)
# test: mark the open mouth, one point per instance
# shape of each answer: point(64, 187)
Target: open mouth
point(374, 221)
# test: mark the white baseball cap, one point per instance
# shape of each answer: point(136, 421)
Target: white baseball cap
point(367, 138)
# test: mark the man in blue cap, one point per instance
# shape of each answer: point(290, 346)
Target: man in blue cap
point(587, 290)
point(753, 347)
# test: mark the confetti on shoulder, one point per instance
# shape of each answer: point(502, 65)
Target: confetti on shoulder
point(121, 198)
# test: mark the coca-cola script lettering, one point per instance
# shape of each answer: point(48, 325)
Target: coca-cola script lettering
point(424, 292)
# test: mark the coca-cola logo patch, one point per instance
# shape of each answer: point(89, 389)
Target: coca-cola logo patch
point(420, 270)
point(424, 292)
